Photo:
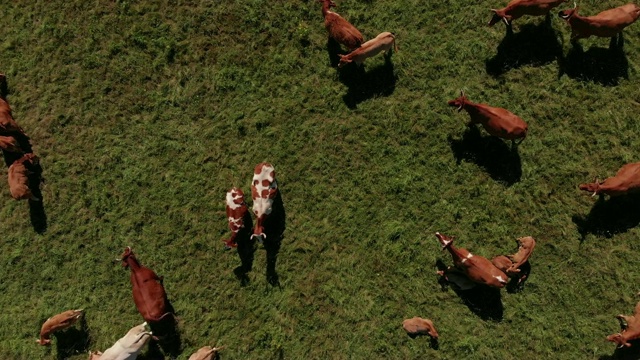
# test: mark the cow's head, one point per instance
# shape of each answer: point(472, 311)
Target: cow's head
point(264, 189)
point(619, 340)
point(445, 240)
point(593, 187)
point(567, 14)
point(500, 15)
point(126, 255)
point(459, 102)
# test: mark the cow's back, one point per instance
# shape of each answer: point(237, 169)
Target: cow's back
point(342, 31)
point(382, 42)
point(518, 8)
point(148, 294)
point(19, 181)
point(627, 179)
point(481, 270)
point(498, 121)
point(615, 19)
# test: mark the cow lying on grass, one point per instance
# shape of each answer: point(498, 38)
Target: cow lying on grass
point(56, 323)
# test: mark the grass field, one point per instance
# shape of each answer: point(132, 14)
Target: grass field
point(145, 113)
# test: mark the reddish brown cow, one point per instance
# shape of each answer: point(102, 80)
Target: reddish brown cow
point(477, 268)
point(148, 292)
point(19, 173)
point(626, 180)
point(340, 29)
point(496, 121)
point(264, 190)
point(608, 23)
point(420, 326)
point(57, 323)
point(8, 126)
point(236, 211)
point(518, 8)
point(10, 144)
point(630, 326)
point(383, 42)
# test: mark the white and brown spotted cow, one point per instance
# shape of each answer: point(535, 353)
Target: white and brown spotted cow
point(236, 211)
point(264, 190)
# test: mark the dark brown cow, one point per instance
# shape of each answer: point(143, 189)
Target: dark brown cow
point(608, 23)
point(236, 211)
point(148, 292)
point(264, 190)
point(56, 323)
point(626, 180)
point(340, 29)
point(496, 121)
point(19, 173)
point(477, 268)
point(518, 8)
point(419, 326)
point(630, 328)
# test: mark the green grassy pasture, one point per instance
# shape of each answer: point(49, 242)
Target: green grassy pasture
point(145, 113)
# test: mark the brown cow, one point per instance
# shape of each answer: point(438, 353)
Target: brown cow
point(608, 23)
point(8, 126)
point(511, 264)
point(236, 211)
point(148, 292)
point(264, 189)
point(419, 326)
point(477, 268)
point(496, 121)
point(206, 353)
point(19, 173)
point(383, 42)
point(518, 8)
point(626, 180)
point(340, 29)
point(630, 326)
point(57, 323)
point(10, 144)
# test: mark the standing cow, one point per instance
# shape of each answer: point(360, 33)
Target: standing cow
point(626, 180)
point(56, 323)
point(340, 29)
point(237, 211)
point(264, 190)
point(148, 292)
point(518, 8)
point(496, 121)
point(127, 347)
point(608, 23)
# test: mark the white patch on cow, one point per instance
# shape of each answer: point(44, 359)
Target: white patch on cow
point(500, 278)
point(469, 255)
point(231, 200)
point(235, 224)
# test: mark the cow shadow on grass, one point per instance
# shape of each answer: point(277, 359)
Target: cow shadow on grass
point(274, 227)
point(533, 45)
point(246, 250)
point(609, 217)
point(363, 85)
point(625, 353)
point(73, 341)
point(36, 208)
point(482, 300)
point(334, 50)
point(168, 334)
point(500, 160)
point(599, 65)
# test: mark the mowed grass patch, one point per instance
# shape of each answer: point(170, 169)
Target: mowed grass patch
point(144, 115)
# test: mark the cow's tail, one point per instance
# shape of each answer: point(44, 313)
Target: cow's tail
point(162, 317)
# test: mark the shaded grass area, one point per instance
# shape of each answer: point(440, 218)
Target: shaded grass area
point(144, 115)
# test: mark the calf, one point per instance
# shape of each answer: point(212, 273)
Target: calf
point(511, 264)
point(19, 174)
point(630, 326)
point(608, 23)
point(237, 210)
point(205, 353)
point(626, 180)
point(518, 8)
point(496, 121)
point(419, 326)
point(264, 190)
point(56, 323)
point(127, 347)
point(340, 29)
point(148, 292)
point(477, 268)
point(383, 42)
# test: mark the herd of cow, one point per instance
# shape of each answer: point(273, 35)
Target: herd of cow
point(469, 270)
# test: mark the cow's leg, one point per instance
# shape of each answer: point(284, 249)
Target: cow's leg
point(624, 321)
point(547, 19)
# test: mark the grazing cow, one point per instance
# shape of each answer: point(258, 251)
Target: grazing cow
point(608, 23)
point(518, 8)
point(383, 42)
point(206, 353)
point(264, 190)
point(56, 323)
point(10, 144)
point(236, 211)
point(19, 173)
point(127, 347)
point(630, 326)
point(496, 121)
point(340, 29)
point(626, 180)
point(148, 292)
point(419, 326)
point(477, 268)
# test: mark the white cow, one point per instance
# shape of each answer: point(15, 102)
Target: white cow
point(126, 348)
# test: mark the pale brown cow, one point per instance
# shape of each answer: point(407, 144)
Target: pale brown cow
point(419, 326)
point(630, 328)
point(19, 173)
point(626, 180)
point(518, 8)
point(496, 121)
point(56, 323)
point(340, 29)
point(608, 23)
point(511, 264)
point(206, 353)
point(477, 268)
point(383, 42)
